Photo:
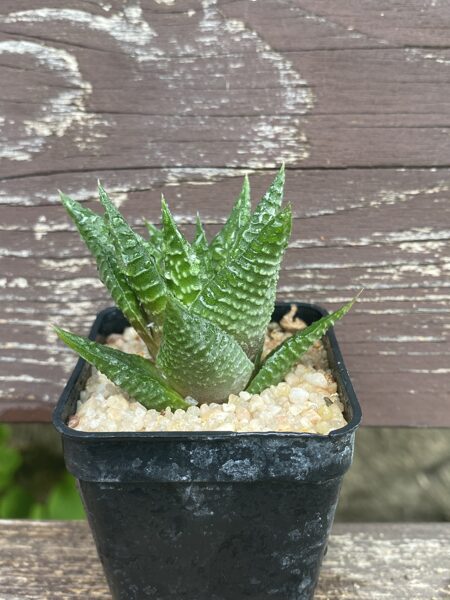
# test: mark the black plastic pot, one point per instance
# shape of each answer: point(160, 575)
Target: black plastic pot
point(209, 515)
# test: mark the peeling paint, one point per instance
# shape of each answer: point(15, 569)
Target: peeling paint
point(62, 110)
point(216, 31)
point(16, 282)
point(127, 27)
point(414, 54)
point(269, 140)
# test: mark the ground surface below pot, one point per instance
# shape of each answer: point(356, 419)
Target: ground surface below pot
point(59, 560)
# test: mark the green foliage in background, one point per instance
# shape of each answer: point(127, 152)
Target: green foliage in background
point(34, 484)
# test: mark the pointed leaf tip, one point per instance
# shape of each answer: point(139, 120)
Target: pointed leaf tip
point(227, 242)
point(181, 263)
point(134, 257)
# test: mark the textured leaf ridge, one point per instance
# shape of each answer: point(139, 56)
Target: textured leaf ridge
point(181, 263)
point(267, 208)
point(136, 261)
point(198, 358)
point(226, 242)
point(240, 298)
point(93, 231)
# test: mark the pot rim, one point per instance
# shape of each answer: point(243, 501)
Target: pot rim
point(87, 436)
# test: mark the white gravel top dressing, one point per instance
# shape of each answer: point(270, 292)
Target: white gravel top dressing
point(306, 401)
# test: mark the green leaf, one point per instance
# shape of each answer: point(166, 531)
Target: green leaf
point(136, 261)
point(134, 374)
point(10, 461)
point(283, 358)
point(201, 248)
point(38, 512)
point(155, 242)
point(226, 241)
point(64, 501)
point(200, 359)
point(202, 251)
point(240, 297)
point(155, 235)
point(267, 208)
point(200, 244)
point(94, 232)
point(181, 264)
point(15, 503)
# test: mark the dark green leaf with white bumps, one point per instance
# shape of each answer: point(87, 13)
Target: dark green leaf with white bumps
point(283, 358)
point(201, 248)
point(94, 232)
point(136, 260)
point(154, 234)
point(134, 374)
point(198, 358)
point(181, 264)
point(200, 244)
point(240, 297)
point(155, 241)
point(226, 242)
point(267, 208)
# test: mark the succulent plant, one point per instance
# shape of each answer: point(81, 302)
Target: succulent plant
point(202, 309)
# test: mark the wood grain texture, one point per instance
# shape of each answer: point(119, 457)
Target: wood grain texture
point(183, 98)
point(43, 560)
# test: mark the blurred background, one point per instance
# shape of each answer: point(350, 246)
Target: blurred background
point(401, 477)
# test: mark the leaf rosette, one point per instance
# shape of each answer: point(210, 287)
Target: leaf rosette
point(202, 308)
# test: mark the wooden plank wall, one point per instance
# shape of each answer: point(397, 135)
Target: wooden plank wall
point(184, 97)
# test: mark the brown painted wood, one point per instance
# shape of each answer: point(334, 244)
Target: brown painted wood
point(185, 97)
point(58, 560)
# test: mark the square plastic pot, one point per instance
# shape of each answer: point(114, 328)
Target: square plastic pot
point(209, 515)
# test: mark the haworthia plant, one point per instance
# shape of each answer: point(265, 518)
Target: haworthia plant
point(201, 308)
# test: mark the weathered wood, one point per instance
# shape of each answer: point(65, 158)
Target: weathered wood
point(184, 98)
point(351, 231)
point(58, 560)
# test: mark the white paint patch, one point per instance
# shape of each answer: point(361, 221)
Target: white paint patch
point(415, 54)
point(422, 247)
point(40, 228)
point(26, 378)
point(408, 338)
point(127, 27)
point(394, 197)
point(442, 371)
point(413, 234)
point(61, 111)
point(16, 282)
point(68, 265)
